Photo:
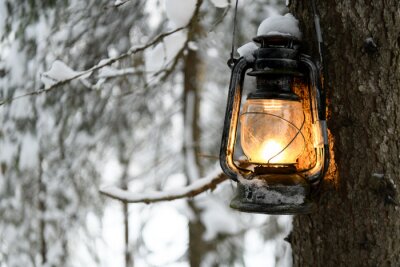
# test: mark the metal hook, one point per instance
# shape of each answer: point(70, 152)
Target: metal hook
point(231, 62)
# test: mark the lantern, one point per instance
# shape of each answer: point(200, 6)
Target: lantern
point(283, 151)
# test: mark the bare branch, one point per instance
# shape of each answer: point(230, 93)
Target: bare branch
point(131, 51)
point(220, 19)
point(192, 190)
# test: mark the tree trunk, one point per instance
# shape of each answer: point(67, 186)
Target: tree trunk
point(127, 253)
point(357, 222)
point(197, 247)
point(124, 161)
point(42, 216)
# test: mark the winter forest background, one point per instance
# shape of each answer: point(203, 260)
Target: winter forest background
point(144, 117)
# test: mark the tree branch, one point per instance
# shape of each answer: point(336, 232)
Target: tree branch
point(131, 51)
point(192, 190)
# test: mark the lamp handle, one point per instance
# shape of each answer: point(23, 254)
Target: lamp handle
point(231, 119)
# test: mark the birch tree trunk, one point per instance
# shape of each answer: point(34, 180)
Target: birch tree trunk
point(358, 219)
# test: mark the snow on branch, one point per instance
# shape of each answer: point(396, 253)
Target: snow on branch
point(107, 62)
point(119, 3)
point(194, 189)
point(102, 64)
point(108, 72)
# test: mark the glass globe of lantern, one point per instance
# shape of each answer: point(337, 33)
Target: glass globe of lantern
point(271, 131)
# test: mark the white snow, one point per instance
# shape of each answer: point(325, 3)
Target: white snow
point(21, 109)
point(118, 2)
point(260, 252)
point(179, 12)
point(276, 24)
point(271, 196)
point(378, 175)
point(112, 171)
point(281, 25)
point(11, 55)
point(8, 151)
point(159, 57)
point(193, 46)
point(170, 228)
point(247, 51)
point(220, 3)
point(212, 52)
point(39, 31)
point(59, 71)
point(217, 217)
point(29, 152)
point(155, 13)
point(3, 16)
point(109, 72)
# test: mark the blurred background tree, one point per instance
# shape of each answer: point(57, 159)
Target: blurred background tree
point(150, 120)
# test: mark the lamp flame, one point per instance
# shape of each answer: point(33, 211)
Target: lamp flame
point(271, 152)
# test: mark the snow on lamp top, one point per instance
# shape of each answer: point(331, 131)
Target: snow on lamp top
point(280, 25)
point(286, 25)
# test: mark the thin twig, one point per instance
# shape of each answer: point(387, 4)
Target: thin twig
point(189, 191)
point(171, 65)
point(220, 19)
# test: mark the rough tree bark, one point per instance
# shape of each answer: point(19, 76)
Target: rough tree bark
point(358, 219)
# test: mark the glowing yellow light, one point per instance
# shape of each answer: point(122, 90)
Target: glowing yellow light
point(271, 152)
point(270, 131)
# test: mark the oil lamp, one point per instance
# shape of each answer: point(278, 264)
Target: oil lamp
point(283, 151)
